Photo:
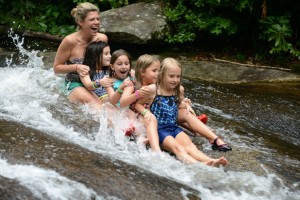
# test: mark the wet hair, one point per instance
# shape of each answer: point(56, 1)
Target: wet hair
point(114, 56)
point(142, 63)
point(166, 64)
point(93, 57)
point(81, 11)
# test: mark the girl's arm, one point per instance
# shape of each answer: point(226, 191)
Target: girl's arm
point(92, 85)
point(114, 96)
point(129, 95)
point(139, 106)
point(185, 102)
point(87, 82)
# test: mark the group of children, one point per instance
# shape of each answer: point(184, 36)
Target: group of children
point(151, 92)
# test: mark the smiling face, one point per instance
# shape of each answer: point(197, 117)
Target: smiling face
point(172, 77)
point(91, 23)
point(121, 67)
point(150, 74)
point(106, 56)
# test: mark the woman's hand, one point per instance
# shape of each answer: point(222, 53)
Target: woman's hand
point(82, 70)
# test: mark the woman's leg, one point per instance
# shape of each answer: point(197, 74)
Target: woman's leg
point(83, 96)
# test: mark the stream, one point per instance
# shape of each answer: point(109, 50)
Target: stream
point(52, 149)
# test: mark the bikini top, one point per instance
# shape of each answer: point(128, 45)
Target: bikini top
point(73, 76)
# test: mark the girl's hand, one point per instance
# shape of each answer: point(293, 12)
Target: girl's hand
point(144, 92)
point(126, 83)
point(187, 101)
point(82, 70)
point(107, 82)
point(189, 109)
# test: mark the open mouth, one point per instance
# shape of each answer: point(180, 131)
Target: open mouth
point(94, 28)
point(123, 72)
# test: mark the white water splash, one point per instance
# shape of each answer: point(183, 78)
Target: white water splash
point(47, 184)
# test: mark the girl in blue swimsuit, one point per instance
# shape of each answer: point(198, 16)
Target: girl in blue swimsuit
point(165, 107)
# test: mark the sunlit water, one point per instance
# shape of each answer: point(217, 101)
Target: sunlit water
point(32, 95)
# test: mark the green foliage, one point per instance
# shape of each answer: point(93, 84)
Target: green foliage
point(41, 16)
point(277, 30)
point(105, 3)
point(190, 18)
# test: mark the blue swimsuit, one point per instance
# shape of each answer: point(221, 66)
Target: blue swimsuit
point(165, 109)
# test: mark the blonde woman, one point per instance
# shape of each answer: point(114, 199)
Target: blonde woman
point(70, 53)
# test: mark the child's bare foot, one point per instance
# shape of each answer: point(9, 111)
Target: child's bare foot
point(217, 162)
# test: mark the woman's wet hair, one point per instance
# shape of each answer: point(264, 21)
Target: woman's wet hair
point(82, 10)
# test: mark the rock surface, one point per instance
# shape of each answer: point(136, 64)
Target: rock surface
point(138, 23)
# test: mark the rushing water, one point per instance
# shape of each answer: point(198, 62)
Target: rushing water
point(262, 126)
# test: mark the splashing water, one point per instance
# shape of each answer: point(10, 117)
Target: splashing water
point(25, 90)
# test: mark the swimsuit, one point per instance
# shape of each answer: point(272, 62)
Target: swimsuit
point(100, 91)
point(165, 109)
point(116, 85)
point(72, 79)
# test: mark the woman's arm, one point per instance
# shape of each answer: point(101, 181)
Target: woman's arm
point(63, 54)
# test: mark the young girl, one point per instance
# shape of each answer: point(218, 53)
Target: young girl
point(164, 106)
point(120, 70)
point(146, 70)
point(97, 57)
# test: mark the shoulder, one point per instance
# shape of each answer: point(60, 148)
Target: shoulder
point(152, 88)
point(101, 37)
point(69, 41)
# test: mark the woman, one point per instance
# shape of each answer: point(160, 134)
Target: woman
point(69, 56)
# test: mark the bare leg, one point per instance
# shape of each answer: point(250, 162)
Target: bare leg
point(152, 134)
point(83, 96)
point(172, 145)
point(197, 126)
point(198, 155)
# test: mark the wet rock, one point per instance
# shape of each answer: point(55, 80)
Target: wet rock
point(12, 190)
point(138, 23)
point(234, 74)
point(23, 145)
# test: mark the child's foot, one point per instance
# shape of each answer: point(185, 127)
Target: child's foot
point(203, 118)
point(217, 162)
point(220, 145)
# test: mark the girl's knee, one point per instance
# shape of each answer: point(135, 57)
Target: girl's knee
point(179, 149)
point(189, 147)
